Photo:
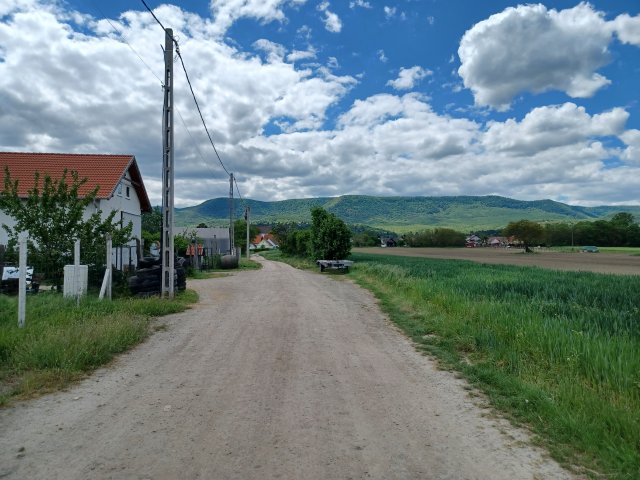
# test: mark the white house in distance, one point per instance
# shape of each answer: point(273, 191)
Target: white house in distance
point(118, 177)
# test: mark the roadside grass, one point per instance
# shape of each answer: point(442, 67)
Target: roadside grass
point(62, 342)
point(302, 263)
point(556, 351)
point(244, 264)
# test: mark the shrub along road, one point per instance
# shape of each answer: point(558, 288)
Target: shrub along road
point(275, 373)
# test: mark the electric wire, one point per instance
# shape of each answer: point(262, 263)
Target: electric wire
point(195, 100)
point(200, 111)
point(122, 36)
point(97, 6)
point(156, 18)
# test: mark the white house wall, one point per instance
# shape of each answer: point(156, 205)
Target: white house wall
point(128, 210)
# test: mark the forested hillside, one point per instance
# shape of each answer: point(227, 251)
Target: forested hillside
point(401, 214)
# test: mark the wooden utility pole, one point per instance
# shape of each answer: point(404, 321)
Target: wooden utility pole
point(247, 213)
point(167, 170)
point(232, 250)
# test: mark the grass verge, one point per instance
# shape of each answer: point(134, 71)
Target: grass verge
point(302, 263)
point(556, 351)
point(62, 342)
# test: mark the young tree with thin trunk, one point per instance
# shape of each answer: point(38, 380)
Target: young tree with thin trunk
point(53, 214)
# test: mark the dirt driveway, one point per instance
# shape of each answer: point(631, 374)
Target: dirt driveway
point(275, 374)
point(617, 263)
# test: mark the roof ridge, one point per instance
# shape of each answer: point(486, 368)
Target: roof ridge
point(71, 154)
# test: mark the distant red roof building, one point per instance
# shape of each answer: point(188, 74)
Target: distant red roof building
point(263, 236)
point(103, 171)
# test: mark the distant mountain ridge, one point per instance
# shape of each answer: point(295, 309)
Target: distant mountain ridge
point(464, 213)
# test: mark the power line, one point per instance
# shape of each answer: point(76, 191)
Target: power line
point(97, 6)
point(156, 19)
point(199, 111)
point(195, 100)
point(238, 190)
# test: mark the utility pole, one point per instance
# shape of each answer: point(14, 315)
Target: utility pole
point(247, 214)
point(231, 229)
point(167, 169)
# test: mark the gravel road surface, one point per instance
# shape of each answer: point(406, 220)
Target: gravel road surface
point(274, 374)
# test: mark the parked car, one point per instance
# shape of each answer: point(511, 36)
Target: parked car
point(10, 280)
point(589, 249)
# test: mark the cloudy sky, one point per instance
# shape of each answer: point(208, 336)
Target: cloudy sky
point(330, 97)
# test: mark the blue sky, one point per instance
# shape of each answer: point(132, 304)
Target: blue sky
point(323, 98)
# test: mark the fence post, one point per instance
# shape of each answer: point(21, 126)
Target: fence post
point(76, 268)
point(106, 281)
point(109, 266)
point(22, 282)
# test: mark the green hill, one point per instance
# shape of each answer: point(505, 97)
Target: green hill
point(401, 214)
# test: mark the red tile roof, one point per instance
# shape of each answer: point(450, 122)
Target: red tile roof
point(263, 236)
point(103, 171)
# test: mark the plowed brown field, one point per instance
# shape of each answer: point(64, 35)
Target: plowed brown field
point(616, 263)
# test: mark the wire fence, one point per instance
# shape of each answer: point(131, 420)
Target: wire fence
point(46, 271)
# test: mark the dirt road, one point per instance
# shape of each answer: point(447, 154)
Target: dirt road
point(275, 374)
point(616, 263)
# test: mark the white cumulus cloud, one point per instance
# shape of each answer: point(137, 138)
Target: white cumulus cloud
point(359, 3)
point(408, 77)
point(532, 49)
point(226, 12)
point(627, 28)
point(332, 21)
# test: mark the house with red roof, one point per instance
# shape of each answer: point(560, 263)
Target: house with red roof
point(264, 241)
point(118, 178)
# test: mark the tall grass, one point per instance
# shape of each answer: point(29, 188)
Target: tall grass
point(63, 341)
point(558, 351)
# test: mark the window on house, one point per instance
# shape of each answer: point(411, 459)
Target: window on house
point(127, 192)
point(120, 189)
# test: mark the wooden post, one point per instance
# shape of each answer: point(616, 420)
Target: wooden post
point(22, 282)
point(247, 214)
point(109, 267)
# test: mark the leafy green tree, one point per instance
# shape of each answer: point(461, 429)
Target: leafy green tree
point(557, 234)
point(151, 226)
point(330, 236)
point(53, 213)
point(292, 239)
point(447, 237)
point(526, 231)
point(152, 221)
point(240, 233)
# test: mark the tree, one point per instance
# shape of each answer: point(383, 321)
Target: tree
point(526, 231)
point(292, 239)
point(330, 236)
point(240, 233)
point(53, 214)
point(151, 226)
